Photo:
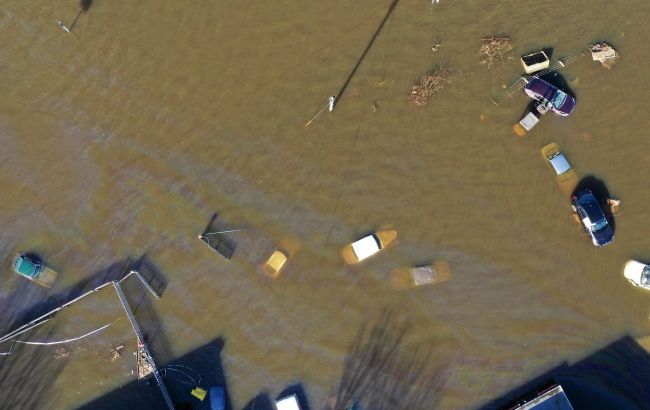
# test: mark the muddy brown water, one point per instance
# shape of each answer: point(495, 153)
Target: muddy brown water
point(123, 138)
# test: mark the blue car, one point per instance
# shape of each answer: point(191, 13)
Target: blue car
point(592, 216)
point(550, 96)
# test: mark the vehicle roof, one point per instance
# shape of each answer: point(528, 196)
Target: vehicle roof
point(553, 399)
point(588, 202)
point(542, 88)
point(26, 267)
point(288, 403)
point(559, 163)
point(365, 247)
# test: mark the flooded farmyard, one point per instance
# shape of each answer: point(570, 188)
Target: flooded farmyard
point(122, 138)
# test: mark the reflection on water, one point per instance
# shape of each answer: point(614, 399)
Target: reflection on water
point(123, 139)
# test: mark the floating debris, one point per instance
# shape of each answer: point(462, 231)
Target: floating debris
point(604, 54)
point(436, 45)
point(614, 206)
point(431, 84)
point(61, 353)
point(115, 352)
point(145, 364)
point(495, 50)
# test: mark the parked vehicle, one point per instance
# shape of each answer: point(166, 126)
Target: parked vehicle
point(368, 246)
point(31, 267)
point(592, 217)
point(637, 273)
point(557, 161)
point(546, 93)
point(275, 262)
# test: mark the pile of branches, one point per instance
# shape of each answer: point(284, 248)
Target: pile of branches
point(495, 50)
point(431, 84)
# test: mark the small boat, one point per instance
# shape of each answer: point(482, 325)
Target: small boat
point(217, 398)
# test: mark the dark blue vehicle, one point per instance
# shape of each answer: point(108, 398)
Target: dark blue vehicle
point(217, 398)
point(546, 93)
point(592, 216)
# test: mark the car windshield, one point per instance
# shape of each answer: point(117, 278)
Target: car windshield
point(599, 225)
point(645, 276)
point(558, 99)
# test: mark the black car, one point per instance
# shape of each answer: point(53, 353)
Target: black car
point(592, 216)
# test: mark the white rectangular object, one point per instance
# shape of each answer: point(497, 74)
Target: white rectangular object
point(288, 403)
point(365, 247)
point(529, 121)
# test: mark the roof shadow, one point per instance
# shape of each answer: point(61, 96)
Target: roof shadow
point(204, 361)
point(612, 378)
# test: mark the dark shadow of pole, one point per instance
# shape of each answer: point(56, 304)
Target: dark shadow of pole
point(84, 5)
point(363, 55)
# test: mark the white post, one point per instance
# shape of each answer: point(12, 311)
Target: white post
point(63, 27)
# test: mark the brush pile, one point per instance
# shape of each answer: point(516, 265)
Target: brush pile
point(431, 84)
point(495, 50)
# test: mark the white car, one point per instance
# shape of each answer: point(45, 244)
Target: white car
point(637, 273)
point(368, 246)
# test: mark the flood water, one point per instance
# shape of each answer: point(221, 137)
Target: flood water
point(124, 137)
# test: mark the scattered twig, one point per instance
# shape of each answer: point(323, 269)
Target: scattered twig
point(431, 84)
point(495, 50)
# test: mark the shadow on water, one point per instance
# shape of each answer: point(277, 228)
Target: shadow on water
point(28, 300)
point(600, 191)
point(612, 378)
point(392, 6)
point(84, 6)
point(143, 305)
point(380, 374)
point(261, 402)
point(151, 274)
point(27, 375)
point(205, 361)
